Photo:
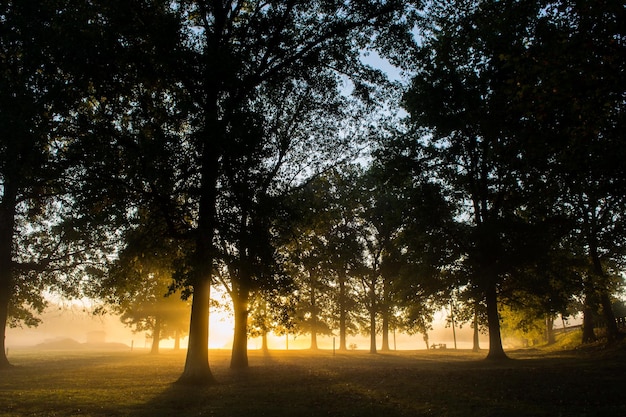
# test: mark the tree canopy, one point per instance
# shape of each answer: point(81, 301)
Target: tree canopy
point(152, 147)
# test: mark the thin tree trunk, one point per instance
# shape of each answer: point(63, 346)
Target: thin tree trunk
point(385, 317)
point(372, 307)
point(177, 340)
point(156, 336)
point(476, 325)
point(385, 329)
point(372, 330)
point(313, 300)
point(343, 297)
point(550, 338)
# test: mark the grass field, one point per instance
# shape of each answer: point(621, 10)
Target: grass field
point(537, 382)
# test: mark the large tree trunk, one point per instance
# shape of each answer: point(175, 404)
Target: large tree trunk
point(197, 370)
point(612, 332)
point(313, 339)
point(4, 310)
point(239, 358)
point(589, 335)
point(7, 225)
point(5, 295)
point(264, 346)
point(156, 336)
point(496, 351)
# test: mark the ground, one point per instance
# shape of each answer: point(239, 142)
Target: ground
point(536, 382)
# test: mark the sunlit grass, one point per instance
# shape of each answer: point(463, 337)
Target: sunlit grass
point(540, 382)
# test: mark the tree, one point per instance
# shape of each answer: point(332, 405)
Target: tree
point(42, 240)
point(209, 62)
point(410, 216)
point(344, 251)
point(140, 286)
point(308, 253)
point(462, 93)
point(583, 113)
point(285, 122)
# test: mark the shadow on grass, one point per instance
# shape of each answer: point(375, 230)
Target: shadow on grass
point(353, 384)
point(273, 386)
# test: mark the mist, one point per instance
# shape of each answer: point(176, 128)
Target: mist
point(77, 323)
point(74, 322)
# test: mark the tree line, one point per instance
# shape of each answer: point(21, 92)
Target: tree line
point(153, 148)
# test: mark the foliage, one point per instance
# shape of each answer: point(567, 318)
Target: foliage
point(140, 287)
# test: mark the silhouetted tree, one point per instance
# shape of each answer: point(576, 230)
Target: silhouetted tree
point(462, 92)
point(43, 241)
point(140, 286)
point(190, 108)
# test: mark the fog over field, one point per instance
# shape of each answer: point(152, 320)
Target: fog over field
point(77, 323)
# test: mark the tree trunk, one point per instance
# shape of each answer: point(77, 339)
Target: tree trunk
point(156, 336)
point(373, 315)
point(7, 226)
point(4, 310)
point(589, 335)
point(343, 310)
point(496, 351)
point(372, 330)
point(197, 370)
point(385, 317)
point(476, 325)
point(5, 295)
point(264, 347)
point(385, 329)
point(612, 332)
point(550, 338)
point(313, 300)
point(239, 358)
point(177, 340)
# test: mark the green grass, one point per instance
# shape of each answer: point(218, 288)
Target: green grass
point(537, 382)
